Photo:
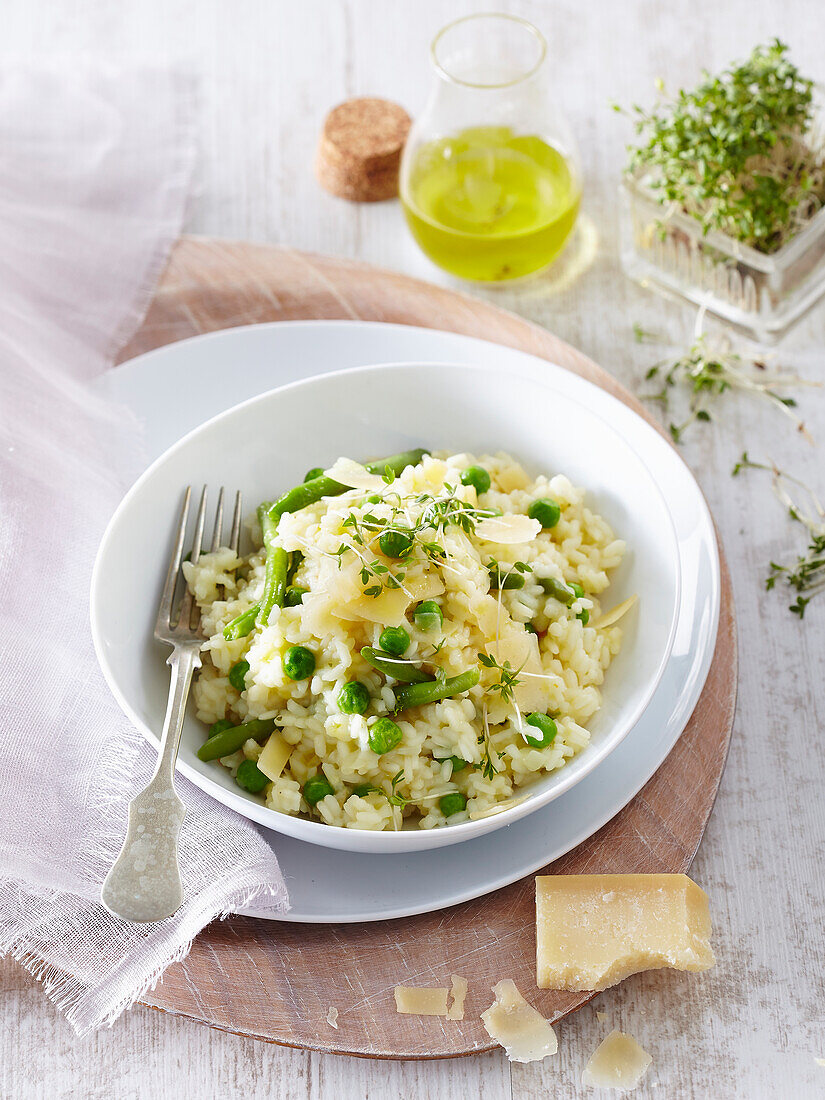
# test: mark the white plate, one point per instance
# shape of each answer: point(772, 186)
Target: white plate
point(264, 446)
point(333, 886)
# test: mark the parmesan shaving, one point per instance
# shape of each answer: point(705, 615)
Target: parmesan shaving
point(614, 614)
point(508, 530)
point(499, 808)
point(601, 1017)
point(458, 993)
point(618, 1062)
point(332, 1017)
point(415, 1000)
point(523, 1032)
point(274, 756)
point(354, 475)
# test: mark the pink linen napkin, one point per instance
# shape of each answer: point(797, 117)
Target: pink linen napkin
point(95, 164)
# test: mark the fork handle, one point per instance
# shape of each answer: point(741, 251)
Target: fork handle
point(183, 660)
point(144, 883)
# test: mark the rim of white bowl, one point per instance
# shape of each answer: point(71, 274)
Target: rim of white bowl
point(377, 842)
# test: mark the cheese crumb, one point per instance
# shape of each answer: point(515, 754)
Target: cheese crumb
point(592, 931)
point(332, 1017)
point(458, 992)
point(421, 1000)
point(523, 1032)
point(618, 1062)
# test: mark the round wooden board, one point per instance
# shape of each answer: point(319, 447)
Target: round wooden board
point(276, 981)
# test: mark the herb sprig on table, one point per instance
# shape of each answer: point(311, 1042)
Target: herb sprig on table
point(807, 574)
point(737, 153)
point(710, 368)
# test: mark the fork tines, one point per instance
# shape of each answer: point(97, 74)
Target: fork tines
point(184, 619)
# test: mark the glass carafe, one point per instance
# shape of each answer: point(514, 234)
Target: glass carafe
point(490, 177)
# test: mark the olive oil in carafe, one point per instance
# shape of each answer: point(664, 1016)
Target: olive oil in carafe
point(489, 205)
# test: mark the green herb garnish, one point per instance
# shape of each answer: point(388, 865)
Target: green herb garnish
point(736, 153)
point(807, 573)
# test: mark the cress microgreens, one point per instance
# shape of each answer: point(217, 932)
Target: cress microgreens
point(437, 513)
point(737, 153)
point(807, 574)
point(709, 369)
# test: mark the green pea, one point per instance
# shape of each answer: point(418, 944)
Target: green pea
point(583, 616)
point(299, 662)
point(353, 698)
point(250, 777)
point(219, 726)
point(295, 595)
point(237, 675)
point(428, 616)
point(546, 511)
point(384, 736)
point(395, 542)
point(363, 789)
point(478, 477)
point(546, 725)
point(452, 803)
point(316, 788)
point(394, 640)
point(459, 764)
point(316, 471)
point(505, 580)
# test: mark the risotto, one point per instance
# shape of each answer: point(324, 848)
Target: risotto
point(414, 644)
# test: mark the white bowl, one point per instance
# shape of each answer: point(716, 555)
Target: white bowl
point(265, 445)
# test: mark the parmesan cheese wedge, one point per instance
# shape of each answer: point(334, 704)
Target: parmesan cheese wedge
point(354, 475)
point(523, 1032)
point(593, 931)
point(509, 530)
point(458, 993)
point(614, 614)
point(618, 1062)
point(419, 1000)
point(274, 756)
point(332, 1017)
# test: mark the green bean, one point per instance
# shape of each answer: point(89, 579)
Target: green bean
point(316, 471)
point(391, 666)
point(505, 580)
point(312, 491)
point(557, 589)
point(430, 691)
point(242, 624)
point(295, 595)
point(295, 560)
point(301, 496)
point(228, 741)
point(277, 563)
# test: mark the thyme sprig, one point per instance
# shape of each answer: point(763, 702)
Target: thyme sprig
point(737, 153)
point(807, 573)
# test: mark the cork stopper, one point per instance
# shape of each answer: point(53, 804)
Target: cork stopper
point(360, 149)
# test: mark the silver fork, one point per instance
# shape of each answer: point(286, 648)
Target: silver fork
point(144, 883)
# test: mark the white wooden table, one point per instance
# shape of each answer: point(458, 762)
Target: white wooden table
point(271, 68)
